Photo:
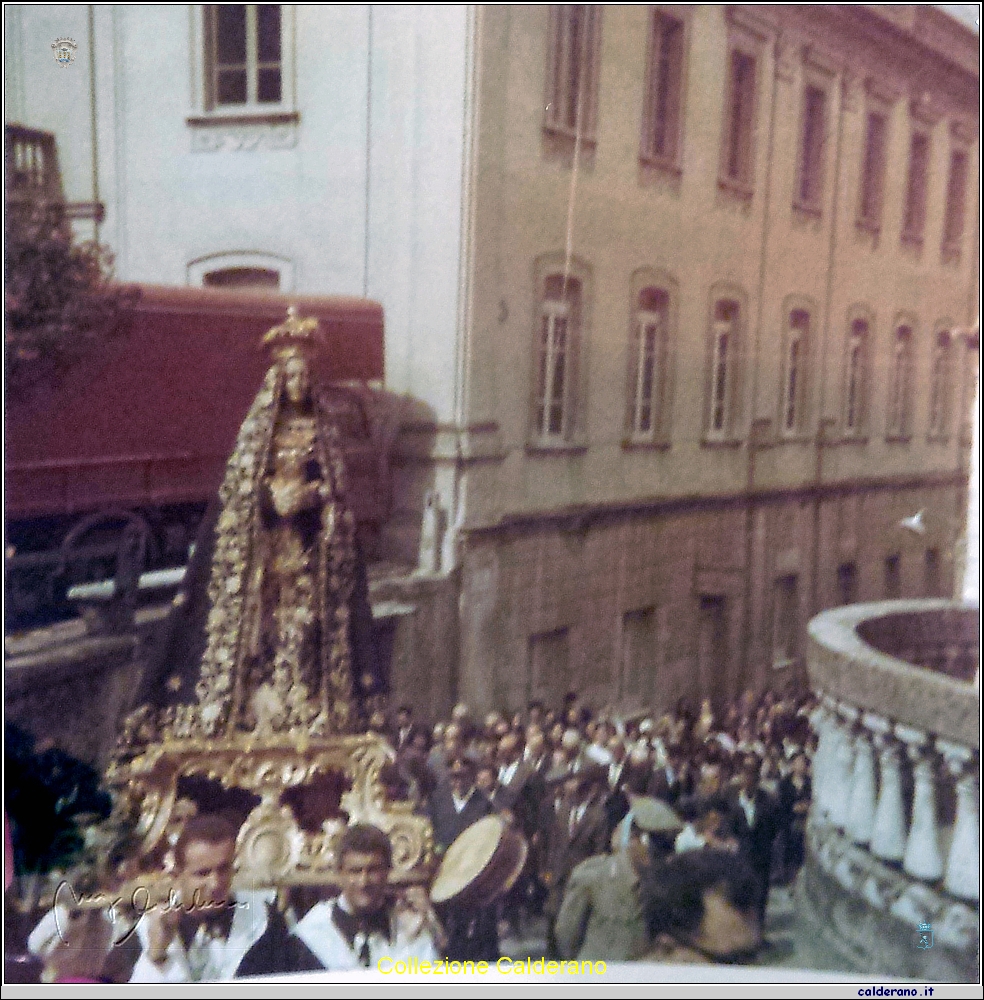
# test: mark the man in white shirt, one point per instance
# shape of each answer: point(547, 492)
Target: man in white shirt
point(365, 923)
point(204, 932)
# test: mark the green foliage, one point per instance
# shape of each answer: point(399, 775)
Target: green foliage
point(59, 299)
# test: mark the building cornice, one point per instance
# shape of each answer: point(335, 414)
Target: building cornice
point(576, 518)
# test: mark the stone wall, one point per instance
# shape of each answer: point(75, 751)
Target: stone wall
point(702, 598)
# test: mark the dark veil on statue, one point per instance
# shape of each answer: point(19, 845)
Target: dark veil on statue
point(272, 629)
point(252, 704)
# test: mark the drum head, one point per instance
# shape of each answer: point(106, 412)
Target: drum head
point(467, 858)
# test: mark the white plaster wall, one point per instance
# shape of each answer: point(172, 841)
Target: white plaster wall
point(167, 205)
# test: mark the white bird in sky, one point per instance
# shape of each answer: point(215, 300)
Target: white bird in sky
point(914, 523)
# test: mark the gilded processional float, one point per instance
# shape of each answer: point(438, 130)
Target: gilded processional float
point(253, 706)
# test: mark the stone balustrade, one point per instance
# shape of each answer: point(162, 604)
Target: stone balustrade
point(894, 834)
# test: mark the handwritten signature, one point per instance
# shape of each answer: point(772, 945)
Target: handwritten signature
point(132, 909)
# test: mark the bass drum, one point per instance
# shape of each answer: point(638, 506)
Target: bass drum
point(482, 864)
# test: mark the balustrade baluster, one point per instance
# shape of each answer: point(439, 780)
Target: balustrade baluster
point(888, 829)
point(963, 861)
point(922, 859)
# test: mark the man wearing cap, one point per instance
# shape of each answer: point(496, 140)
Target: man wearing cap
point(456, 803)
point(602, 915)
point(455, 806)
point(579, 830)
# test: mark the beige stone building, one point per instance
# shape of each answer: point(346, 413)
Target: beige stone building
point(721, 259)
point(675, 294)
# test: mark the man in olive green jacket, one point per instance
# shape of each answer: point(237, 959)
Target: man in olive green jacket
point(601, 916)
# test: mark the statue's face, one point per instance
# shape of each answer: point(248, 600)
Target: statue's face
point(297, 383)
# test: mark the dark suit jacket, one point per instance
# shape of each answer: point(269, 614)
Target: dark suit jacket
point(277, 952)
point(566, 847)
point(755, 841)
point(522, 796)
point(447, 822)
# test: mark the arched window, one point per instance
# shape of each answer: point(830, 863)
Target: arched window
point(723, 376)
point(899, 424)
point(651, 332)
point(650, 357)
point(242, 269)
point(794, 377)
point(939, 386)
point(242, 277)
point(556, 358)
point(856, 376)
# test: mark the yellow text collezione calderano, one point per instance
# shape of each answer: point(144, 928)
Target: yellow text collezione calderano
point(516, 966)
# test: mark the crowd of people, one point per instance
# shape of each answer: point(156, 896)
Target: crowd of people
point(649, 837)
point(581, 784)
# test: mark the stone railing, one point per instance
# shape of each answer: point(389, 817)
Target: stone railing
point(895, 829)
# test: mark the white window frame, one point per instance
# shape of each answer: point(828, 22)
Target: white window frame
point(563, 296)
point(650, 357)
point(792, 417)
point(204, 106)
point(724, 362)
point(650, 326)
point(555, 341)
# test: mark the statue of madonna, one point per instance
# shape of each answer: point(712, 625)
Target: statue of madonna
point(270, 651)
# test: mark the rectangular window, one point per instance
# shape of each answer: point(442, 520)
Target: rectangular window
point(809, 189)
point(664, 94)
point(785, 622)
point(914, 221)
point(968, 388)
point(956, 193)
point(932, 574)
point(854, 402)
point(873, 172)
point(548, 676)
point(241, 277)
point(893, 577)
point(712, 642)
point(244, 55)
point(738, 153)
point(638, 654)
point(847, 583)
point(572, 78)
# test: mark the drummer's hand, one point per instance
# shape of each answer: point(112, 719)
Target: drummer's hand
point(415, 906)
point(162, 926)
point(509, 816)
point(414, 899)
